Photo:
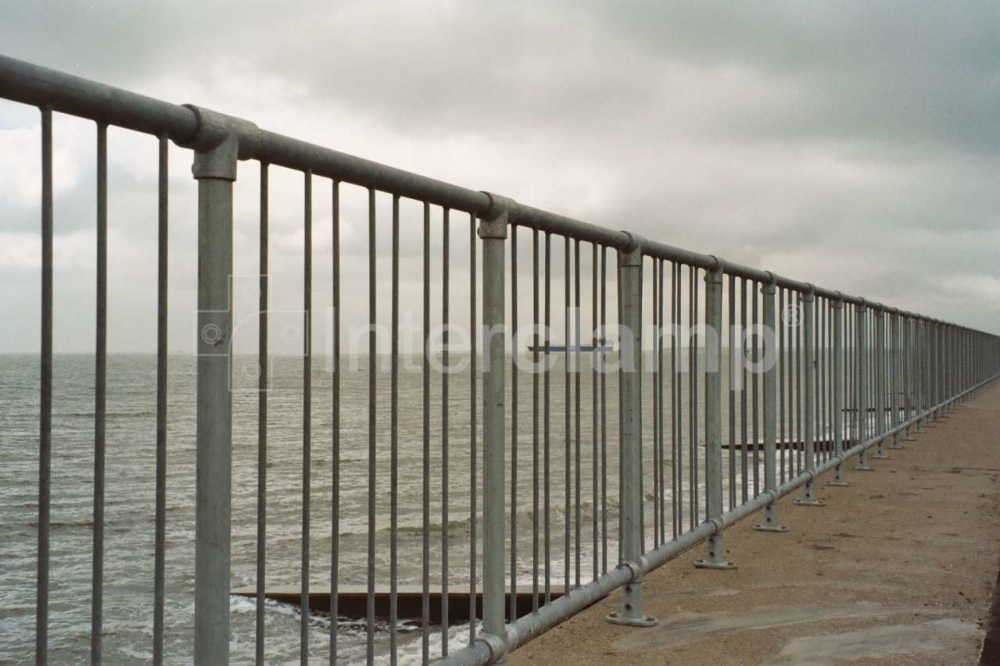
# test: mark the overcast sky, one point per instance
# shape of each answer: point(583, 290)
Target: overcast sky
point(854, 145)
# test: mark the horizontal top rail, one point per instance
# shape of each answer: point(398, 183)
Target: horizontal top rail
point(73, 95)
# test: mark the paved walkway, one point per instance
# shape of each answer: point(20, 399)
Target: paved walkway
point(897, 569)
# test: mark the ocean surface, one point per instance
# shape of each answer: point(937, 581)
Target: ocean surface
point(130, 474)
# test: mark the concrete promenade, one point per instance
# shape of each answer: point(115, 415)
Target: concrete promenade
point(897, 569)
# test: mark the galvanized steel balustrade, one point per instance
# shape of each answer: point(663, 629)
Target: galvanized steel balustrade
point(766, 383)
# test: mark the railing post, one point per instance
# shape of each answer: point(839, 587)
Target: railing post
point(838, 390)
point(771, 522)
point(895, 392)
point(862, 406)
point(880, 384)
point(908, 410)
point(630, 415)
point(810, 408)
point(935, 382)
point(920, 371)
point(493, 232)
point(217, 147)
point(716, 551)
point(949, 367)
point(932, 372)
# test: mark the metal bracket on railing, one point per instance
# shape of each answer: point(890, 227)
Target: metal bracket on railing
point(719, 523)
point(220, 141)
point(635, 569)
point(631, 254)
point(809, 295)
point(497, 646)
point(500, 215)
point(631, 614)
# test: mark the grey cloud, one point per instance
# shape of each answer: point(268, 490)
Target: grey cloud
point(850, 144)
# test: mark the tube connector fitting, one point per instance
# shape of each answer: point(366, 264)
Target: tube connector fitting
point(770, 284)
point(497, 645)
point(219, 142)
point(714, 275)
point(838, 303)
point(810, 293)
point(635, 570)
point(719, 524)
point(499, 216)
point(631, 253)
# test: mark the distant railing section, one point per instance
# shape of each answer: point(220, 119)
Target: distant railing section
point(753, 385)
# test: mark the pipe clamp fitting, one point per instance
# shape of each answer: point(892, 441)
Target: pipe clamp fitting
point(497, 646)
point(499, 216)
point(219, 142)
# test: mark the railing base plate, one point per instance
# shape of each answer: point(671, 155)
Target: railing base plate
point(770, 528)
point(638, 621)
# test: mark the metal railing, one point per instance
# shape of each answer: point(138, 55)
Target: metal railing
point(766, 383)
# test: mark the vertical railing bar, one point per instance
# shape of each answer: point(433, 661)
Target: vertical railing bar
point(782, 368)
point(799, 412)
point(161, 399)
point(829, 360)
point(372, 434)
point(306, 419)
point(659, 405)
point(45, 405)
point(394, 436)
point(535, 460)
point(604, 415)
point(879, 381)
point(547, 329)
point(863, 326)
point(895, 377)
point(840, 375)
point(262, 376)
point(656, 414)
point(576, 397)
point(445, 363)
point(512, 615)
point(851, 338)
point(425, 605)
point(731, 452)
point(567, 400)
point(473, 393)
point(100, 396)
point(677, 387)
point(791, 323)
point(825, 384)
point(755, 402)
point(821, 376)
point(335, 427)
point(693, 397)
point(744, 433)
point(597, 338)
